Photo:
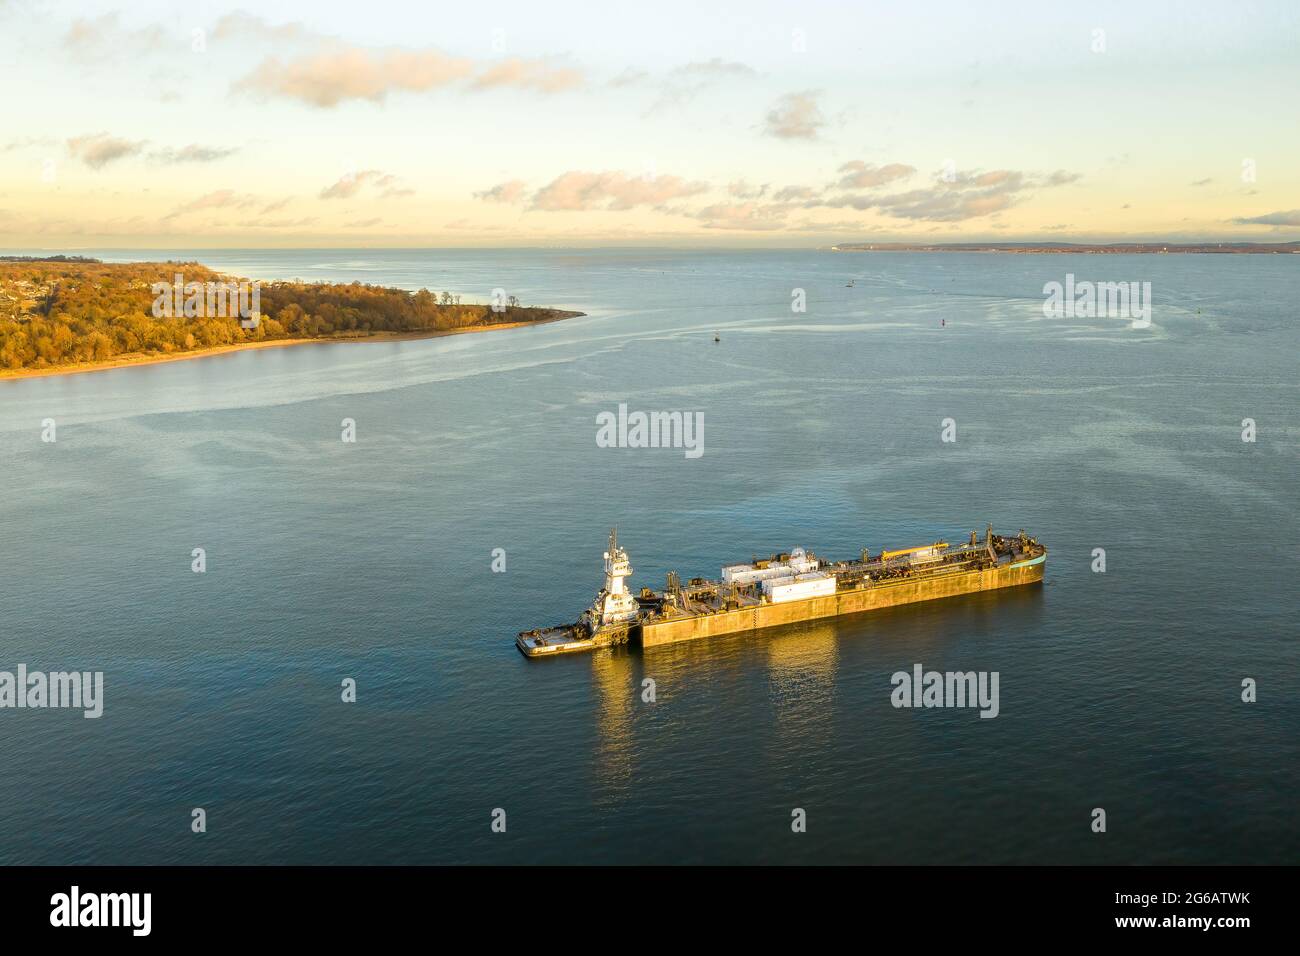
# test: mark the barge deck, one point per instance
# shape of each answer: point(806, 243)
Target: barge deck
point(787, 588)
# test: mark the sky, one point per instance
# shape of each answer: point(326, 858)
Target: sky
point(205, 125)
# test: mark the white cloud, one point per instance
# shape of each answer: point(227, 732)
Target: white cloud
point(327, 78)
point(796, 116)
point(611, 190)
point(97, 150)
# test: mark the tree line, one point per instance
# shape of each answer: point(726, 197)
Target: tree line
point(63, 312)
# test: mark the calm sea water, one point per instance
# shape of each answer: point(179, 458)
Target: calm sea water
point(372, 561)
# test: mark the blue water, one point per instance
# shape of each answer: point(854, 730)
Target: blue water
point(1119, 690)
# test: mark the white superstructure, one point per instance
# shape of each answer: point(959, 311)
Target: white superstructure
point(800, 586)
point(614, 604)
point(797, 563)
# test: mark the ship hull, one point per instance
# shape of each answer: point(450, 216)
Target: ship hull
point(877, 596)
point(569, 639)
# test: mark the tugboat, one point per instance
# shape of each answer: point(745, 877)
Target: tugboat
point(608, 621)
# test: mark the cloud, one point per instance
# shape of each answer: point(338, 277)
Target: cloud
point(860, 175)
point(1290, 217)
point(193, 153)
point(1002, 179)
point(352, 184)
point(968, 195)
point(682, 84)
point(743, 190)
point(715, 67)
point(349, 185)
point(541, 75)
point(103, 37)
point(748, 216)
point(839, 225)
point(27, 143)
point(1201, 182)
point(1062, 178)
point(511, 192)
point(241, 24)
point(390, 186)
point(364, 223)
point(791, 193)
point(935, 204)
point(629, 77)
point(277, 223)
point(218, 199)
point(336, 72)
point(611, 190)
point(97, 150)
point(796, 116)
point(325, 79)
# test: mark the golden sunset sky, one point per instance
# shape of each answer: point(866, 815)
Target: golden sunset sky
point(148, 125)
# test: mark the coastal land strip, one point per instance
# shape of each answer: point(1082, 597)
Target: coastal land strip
point(62, 315)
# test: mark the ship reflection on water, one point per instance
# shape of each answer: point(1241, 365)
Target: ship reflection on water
point(802, 663)
point(790, 680)
point(614, 673)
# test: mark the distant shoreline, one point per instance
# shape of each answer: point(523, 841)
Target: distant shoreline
point(136, 359)
point(1114, 248)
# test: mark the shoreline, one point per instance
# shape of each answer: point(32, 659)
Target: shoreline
point(1080, 248)
point(137, 359)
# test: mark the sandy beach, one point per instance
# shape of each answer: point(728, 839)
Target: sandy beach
point(127, 361)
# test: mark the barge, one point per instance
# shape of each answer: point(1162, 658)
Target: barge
point(787, 588)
